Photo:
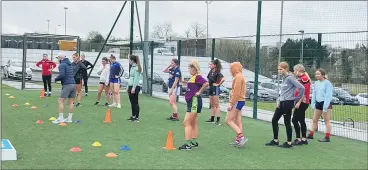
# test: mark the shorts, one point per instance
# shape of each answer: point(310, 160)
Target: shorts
point(103, 83)
point(176, 91)
point(239, 105)
point(319, 105)
point(214, 90)
point(194, 105)
point(114, 80)
point(68, 91)
point(78, 81)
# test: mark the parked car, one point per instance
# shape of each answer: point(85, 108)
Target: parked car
point(344, 97)
point(362, 98)
point(262, 93)
point(272, 89)
point(13, 69)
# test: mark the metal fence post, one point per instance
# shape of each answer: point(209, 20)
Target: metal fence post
point(256, 72)
point(179, 58)
point(213, 50)
point(151, 81)
point(24, 63)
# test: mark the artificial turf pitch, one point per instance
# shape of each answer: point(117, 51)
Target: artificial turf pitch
point(46, 146)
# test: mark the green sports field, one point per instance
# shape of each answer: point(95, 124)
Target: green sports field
point(47, 146)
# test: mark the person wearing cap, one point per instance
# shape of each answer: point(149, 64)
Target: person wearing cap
point(47, 67)
point(68, 90)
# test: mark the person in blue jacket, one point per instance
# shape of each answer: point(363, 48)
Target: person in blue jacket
point(321, 103)
point(68, 90)
point(115, 71)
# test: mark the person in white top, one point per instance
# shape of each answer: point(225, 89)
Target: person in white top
point(104, 72)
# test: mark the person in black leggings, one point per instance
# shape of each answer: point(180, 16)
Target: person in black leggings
point(84, 72)
point(285, 104)
point(47, 67)
point(134, 87)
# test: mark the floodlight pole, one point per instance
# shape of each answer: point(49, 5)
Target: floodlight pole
point(24, 70)
point(256, 72)
point(108, 36)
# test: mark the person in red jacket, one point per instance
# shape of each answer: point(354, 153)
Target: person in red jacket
point(47, 67)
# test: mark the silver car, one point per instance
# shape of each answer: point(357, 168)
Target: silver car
point(13, 69)
point(262, 93)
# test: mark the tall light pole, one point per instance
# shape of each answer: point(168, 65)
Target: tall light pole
point(207, 2)
point(301, 53)
point(48, 26)
point(65, 8)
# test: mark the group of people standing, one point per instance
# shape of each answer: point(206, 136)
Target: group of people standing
point(294, 94)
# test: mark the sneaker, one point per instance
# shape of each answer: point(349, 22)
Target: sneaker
point(118, 106)
point(106, 104)
point(68, 120)
point(49, 95)
point(209, 121)
point(297, 142)
point(97, 103)
point(45, 94)
point(235, 143)
point(193, 145)
point(134, 120)
point(185, 147)
point(324, 140)
point(217, 124)
point(242, 141)
point(272, 143)
point(131, 118)
point(57, 121)
point(286, 145)
point(86, 94)
point(304, 142)
point(310, 136)
point(113, 105)
point(172, 118)
point(78, 104)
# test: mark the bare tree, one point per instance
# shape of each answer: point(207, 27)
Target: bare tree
point(198, 30)
point(162, 31)
point(187, 33)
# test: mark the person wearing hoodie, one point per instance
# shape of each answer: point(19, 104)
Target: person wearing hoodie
point(66, 76)
point(134, 87)
point(78, 68)
point(104, 72)
point(195, 86)
point(285, 104)
point(321, 103)
point(47, 67)
point(237, 102)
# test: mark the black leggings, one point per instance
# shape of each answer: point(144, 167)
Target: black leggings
point(299, 117)
point(134, 100)
point(46, 82)
point(85, 81)
point(285, 109)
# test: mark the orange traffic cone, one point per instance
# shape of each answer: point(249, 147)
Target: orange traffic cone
point(42, 93)
point(169, 142)
point(108, 116)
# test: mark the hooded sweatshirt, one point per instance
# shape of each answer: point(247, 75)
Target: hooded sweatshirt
point(238, 85)
point(288, 88)
point(66, 74)
point(104, 73)
point(46, 66)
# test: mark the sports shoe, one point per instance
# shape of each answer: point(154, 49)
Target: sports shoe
point(57, 121)
point(324, 140)
point(286, 145)
point(185, 147)
point(97, 103)
point(172, 118)
point(131, 118)
point(86, 94)
point(304, 142)
point(310, 136)
point(272, 143)
point(193, 145)
point(297, 142)
point(49, 95)
point(235, 143)
point(68, 120)
point(217, 123)
point(209, 121)
point(113, 105)
point(106, 104)
point(118, 106)
point(134, 120)
point(242, 141)
point(78, 104)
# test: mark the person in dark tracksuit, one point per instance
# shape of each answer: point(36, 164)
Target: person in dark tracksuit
point(47, 67)
point(285, 104)
point(78, 67)
point(84, 72)
point(134, 87)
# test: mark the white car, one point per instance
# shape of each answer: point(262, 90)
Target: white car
point(13, 69)
point(362, 98)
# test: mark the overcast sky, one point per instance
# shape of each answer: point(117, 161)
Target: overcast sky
point(225, 18)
